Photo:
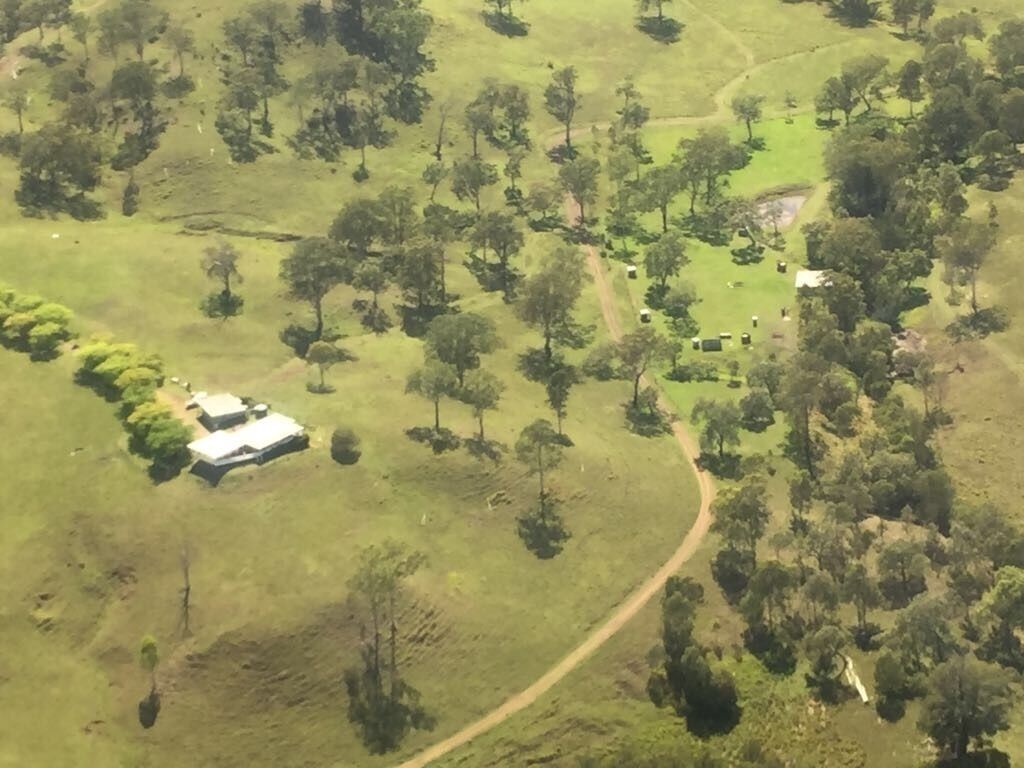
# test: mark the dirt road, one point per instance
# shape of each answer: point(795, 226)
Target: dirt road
point(636, 601)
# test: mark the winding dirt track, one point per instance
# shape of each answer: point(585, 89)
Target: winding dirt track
point(625, 611)
point(646, 591)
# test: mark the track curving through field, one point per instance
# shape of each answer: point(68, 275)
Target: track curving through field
point(628, 609)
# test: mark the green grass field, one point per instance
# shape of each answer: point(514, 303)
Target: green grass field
point(89, 559)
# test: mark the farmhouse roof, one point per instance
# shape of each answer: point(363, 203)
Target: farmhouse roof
point(254, 437)
point(219, 406)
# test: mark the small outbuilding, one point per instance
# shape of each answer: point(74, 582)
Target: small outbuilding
point(711, 345)
point(219, 411)
point(645, 315)
point(745, 339)
point(631, 272)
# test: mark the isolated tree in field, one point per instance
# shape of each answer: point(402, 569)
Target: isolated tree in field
point(659, 188)
point(434, 175)
point(482, 392)
point(501, 233)
point(182, 41)
point(459, 341)
point(968, 702)
point(964, 252)
point(513, 171)
point(549, 297)
point(539, 447)
point(706, 161)
point(421, 276)
point(381, 703)
point(637, 352)
point(220, 263)
point(470, 177)
point(658, 6)
point(757, 409)
point(721, 422)
point(579, 177)
point(434, 382)
point(562, 100)
point(370, 276)
point(141, 22)
point(666, 258)
point(748, 109)
point(323, 355)
point(398, 214)
point(16, 100)
point(311, 271)
point(558, 386)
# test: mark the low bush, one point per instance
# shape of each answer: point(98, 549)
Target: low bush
point(32, 325)
point(345, 446)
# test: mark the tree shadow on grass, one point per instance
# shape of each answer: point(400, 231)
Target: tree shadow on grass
point(509, 26)
point(748, 255)
point(664, 30)
point(300, 338)
point(481, 448)
point(726, 466)
point(980, 324)
point(647, 420)
point(440, 440)
point(542, 530)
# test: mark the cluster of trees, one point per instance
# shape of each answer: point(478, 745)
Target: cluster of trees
point(953, 581)
point(372, 245)
point(366, 76)
point(30, 324)
point(899, 194)
point(682, 677)
point(121, 373)
point(949, 574)
point(699, 172)
point(860, 13)
point(61, 162)
point(18, 16)
point(382, 705)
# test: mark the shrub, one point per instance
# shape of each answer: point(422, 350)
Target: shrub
point(345, 446)
point(30, 324)
point(699, 370)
